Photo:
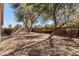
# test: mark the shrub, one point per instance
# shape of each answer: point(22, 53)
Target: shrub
point(8, 31)
point(17, 27)
point(69, 25)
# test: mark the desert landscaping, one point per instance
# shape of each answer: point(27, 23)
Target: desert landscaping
point(37, 44)
point(57, 34)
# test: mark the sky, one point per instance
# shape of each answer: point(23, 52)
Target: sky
point(9, 16)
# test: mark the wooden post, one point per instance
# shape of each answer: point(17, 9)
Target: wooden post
point(1, 18)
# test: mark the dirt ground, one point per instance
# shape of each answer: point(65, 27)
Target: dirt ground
point(35, 44)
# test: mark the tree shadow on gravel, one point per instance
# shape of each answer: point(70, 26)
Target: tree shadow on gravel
point(32, 37)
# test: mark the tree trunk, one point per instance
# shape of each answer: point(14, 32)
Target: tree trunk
point(30, 29)
point(52, 34)
point(50, 40)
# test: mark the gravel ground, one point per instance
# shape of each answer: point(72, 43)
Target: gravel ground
point(27, 44)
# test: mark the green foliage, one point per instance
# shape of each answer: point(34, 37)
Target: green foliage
point(69, 25)
point(47, 26)
point(17, 26)
point(51, 26)
point(77, 22)
point(29, 12)
point(25, 13)
point(58, 12)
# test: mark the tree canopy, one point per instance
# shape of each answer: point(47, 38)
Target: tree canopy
point(59, 13)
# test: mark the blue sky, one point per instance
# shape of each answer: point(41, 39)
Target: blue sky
point(9, 16)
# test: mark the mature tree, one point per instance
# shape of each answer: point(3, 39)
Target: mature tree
point(59, 13)
point(25, 13)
